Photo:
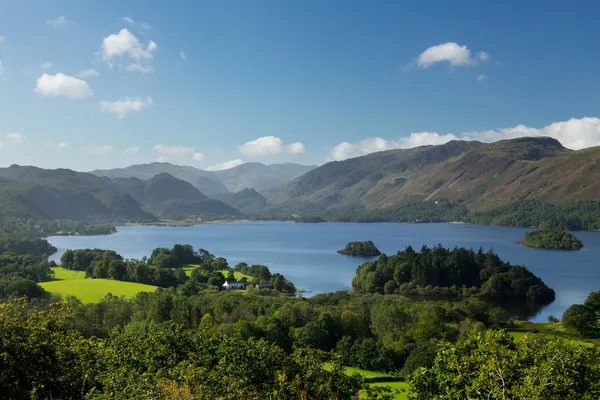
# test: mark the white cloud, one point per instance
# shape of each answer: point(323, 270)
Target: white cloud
point(125, 105)
point(129, 20)
point(145, 26)
point(174, 150)
point(270, 145)
point(450, 52)
point(198, 156)
point(88, 73)
point(574, 134)
point(182, 55)
point(1, 68)
point(98, 150)
point(2, 38)
point(58, 21)
point(124, 45)
point(46, 65)
point(131, 150)
point(15, 137)
point(62, 85)
point(225, 165)
point(62, 145)
point(135, 67)
point(481, 78)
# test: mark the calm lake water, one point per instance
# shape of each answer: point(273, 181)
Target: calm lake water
point(306, 253)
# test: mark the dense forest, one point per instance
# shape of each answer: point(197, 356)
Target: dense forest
point(441, 272)
point(360, 249)
point(554, 239)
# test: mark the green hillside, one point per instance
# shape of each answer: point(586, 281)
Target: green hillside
point(479, 176)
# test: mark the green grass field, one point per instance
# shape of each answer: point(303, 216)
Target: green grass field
point(73, 283)
point(61, 274)
point(238, 275)
point(524, 328)
point(394, 384)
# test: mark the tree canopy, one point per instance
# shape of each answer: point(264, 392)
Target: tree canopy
point(554, 239)
point(360, 249)
point(438, 271)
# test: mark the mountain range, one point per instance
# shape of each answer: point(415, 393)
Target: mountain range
point(479, 176)
point(211, 183)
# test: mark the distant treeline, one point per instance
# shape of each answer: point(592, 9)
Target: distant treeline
point(574, 215)
point(51, 227)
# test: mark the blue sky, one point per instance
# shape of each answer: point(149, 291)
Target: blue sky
point(298, 81)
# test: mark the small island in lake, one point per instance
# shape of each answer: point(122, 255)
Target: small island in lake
point(360, 249)
point(554, 239)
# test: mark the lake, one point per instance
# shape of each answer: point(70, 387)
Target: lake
point(306, 253)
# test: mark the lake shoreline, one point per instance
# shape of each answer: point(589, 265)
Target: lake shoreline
point(185, 223)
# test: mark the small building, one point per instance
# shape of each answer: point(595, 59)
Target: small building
point(263, 286)
point(234, 285)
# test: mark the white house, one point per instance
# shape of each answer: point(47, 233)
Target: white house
point(234, 285)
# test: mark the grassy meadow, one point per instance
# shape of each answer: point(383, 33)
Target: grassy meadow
point(393, 383)
point(238, 275)
point(73, 283)
point(524, 328)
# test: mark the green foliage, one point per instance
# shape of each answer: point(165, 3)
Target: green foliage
point(552, 239)
point(584, 319)
point(360, 249)
point(459, 272)
point(42, 356)
point(22, 244)
point(19, 275)
point(491, 365)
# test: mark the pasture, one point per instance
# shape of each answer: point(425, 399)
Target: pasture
point(73, 283)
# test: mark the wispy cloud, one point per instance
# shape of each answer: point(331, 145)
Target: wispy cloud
point(182, 55)
point(98, 150)
point(225, 165)
point(131, 150)
point(125, 105)
point(46, 65)
point(269, 146)
point(174, 150)
point(58, 21)
point(15, 137)
point(88, 73)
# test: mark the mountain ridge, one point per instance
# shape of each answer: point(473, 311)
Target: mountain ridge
point(481, 175)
